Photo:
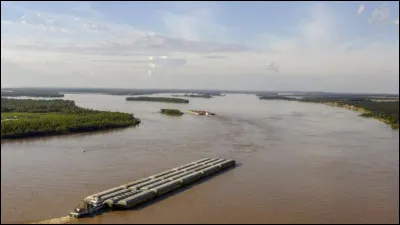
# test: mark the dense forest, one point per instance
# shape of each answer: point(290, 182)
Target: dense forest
point(275, 97)
point(38, 106)
point(171, 112)
point(127, 93)
point(27, 93)
point(198, 96)
point(158, 99)
point(194, 95)
point(27, 118)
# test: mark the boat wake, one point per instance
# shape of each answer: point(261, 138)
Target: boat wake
point(59, 220)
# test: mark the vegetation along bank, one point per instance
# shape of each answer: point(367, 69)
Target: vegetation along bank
point(385, 111)
point(158, 99)
point(21, 118)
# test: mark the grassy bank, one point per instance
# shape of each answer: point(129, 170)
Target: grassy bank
point(29, 118)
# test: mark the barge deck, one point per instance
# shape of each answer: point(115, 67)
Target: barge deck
point(143, 190)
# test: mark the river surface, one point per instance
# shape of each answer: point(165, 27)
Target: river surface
point(298, 163)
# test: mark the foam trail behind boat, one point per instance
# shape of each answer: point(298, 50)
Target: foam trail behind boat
point(59, 220)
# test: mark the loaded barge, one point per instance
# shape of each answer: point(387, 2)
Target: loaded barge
point(202, 113)
point(144, 190)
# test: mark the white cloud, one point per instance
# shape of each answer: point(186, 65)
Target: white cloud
point(197, 25)
point(163, 62)
point(321, 29)
point(360, 9)
point(381, 13)
point(396, 21)
point(63, 45)
point(6, 22)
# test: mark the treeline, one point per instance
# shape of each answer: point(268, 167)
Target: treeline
point(27, 93)
point(387, 111)
point(40, 106)
point(171, 112)
point(334, 99)
point(158, 99)
point(198, 96)
point(114, 91)
point(65, 123)
point(126, 93)
point(56, 117)
point(275, 97)
point(194, 95)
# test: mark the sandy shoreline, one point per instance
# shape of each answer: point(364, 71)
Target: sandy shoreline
point(361, 110)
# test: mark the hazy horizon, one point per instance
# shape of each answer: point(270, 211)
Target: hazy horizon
point(189, 89)
point(344, 47)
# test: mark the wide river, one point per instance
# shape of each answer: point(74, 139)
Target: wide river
point(298, 163)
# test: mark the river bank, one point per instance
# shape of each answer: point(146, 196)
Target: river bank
point(33, 118)
point(384, 111)
point(365, 113)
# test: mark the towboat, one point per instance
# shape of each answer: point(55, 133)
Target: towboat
point(88, 207)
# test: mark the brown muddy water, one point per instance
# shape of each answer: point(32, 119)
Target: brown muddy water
point(299, 163)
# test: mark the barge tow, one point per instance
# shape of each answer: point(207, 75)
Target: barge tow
point(143, 190)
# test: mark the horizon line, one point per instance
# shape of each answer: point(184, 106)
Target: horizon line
point(196, 89)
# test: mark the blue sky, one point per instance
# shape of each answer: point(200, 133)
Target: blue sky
point(332, 46)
